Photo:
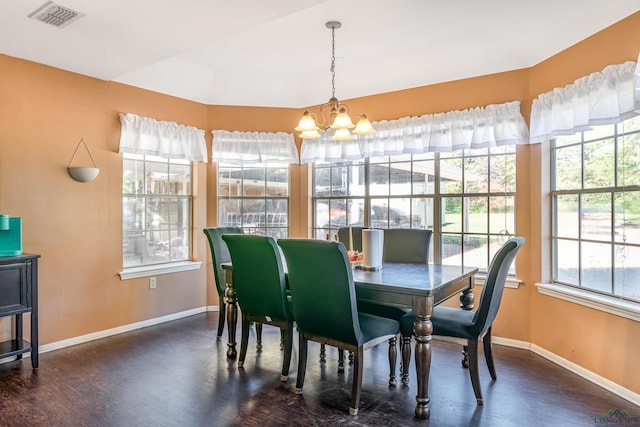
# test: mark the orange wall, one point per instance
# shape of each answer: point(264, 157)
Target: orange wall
point(77, 227)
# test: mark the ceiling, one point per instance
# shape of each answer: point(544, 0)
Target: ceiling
point(277, 53)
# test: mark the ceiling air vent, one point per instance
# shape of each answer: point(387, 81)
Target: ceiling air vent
point(56, 15)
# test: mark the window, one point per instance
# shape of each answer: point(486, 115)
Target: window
point(254, 197)
point(472, 190)
point(156, 210)
point(596, 209)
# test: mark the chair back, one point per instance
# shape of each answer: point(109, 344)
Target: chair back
point(219, 252)
point(258, 276)
point(494, 285)
point(356, 234)
point(322, 290)
point(409, 245)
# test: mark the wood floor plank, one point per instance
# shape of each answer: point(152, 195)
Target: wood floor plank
point(177, 374)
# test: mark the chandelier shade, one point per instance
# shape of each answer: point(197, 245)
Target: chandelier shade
point(338, 113)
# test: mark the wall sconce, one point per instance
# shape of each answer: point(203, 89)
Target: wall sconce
point(83, 174)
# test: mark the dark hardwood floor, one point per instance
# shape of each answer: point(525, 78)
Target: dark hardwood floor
point(176, 374)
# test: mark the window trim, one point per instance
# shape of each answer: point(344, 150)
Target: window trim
point(616, 306)
point(158, 269)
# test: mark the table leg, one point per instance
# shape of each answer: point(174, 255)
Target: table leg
point(423, 308)
point(232, 315)
point(466, 303)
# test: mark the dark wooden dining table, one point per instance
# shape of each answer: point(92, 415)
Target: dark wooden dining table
point(418, 286)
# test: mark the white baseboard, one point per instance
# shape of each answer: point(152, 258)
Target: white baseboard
point(213, 308)
point(119, 330)
point(576, 369)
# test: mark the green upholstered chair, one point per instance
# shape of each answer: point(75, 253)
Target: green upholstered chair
point(324, 305)
point(220, 254)
point(475, 326)
point(408, 245)
point(261, 289)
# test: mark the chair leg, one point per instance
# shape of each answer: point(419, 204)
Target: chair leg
point(244, 341)
point(302, 363)
point(282, 338)
point(393, 358)
point(357, 381)
point(351, 358)
point(465, 356)
point(488, 355)
point(259, 337)
point(323, 353)
point(222, 315)
point(288, 346)
point(340, 360)
point(406, 358)
point(473, 370)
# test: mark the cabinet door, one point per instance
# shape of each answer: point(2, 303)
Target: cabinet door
point(13, 288)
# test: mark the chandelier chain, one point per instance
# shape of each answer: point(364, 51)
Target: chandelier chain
point(333, 62)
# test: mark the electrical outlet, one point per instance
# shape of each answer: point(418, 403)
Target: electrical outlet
point(152, 283)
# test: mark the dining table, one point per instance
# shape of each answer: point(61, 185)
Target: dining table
point(417, 286)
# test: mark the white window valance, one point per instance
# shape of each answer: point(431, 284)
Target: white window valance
point(600, 98)
point(143, 135)
point(493, 125)
point(253, 147)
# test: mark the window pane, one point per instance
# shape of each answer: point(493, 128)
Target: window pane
point(595, 217)
point(475, 175)
point(627, 220)
point(278, 182)
point(561, 141)
point(355, 215)
point(132, 176)
point(476, 250)
point(451, 249)
point(423, 177)
point(476, 215)
point(502, 215)
point(596, 266)
point(567, 261)
point(399, 210)
point(179, 179)
point(379, 213)
point(627, 273)
point(452, 215)
point(400, 179)
point(451, 176)
point(422, 213)
point(229, 182)
point(628, 160)
point(321, 213)
point(229, 212)
point(568, 164)
point(599, 164)
point(157, 177)
point(567, 216)
point(503, 173)
point(253, 181)
point(379, 180)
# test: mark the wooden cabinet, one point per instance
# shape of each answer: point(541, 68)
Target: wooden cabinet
point(19, 295)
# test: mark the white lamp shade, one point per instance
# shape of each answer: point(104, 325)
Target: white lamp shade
point(342, 135)
point(364, 126)
point(307, 123)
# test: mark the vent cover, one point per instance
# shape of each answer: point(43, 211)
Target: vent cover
point(55, 14)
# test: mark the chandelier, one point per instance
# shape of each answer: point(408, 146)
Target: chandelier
point(336, 112)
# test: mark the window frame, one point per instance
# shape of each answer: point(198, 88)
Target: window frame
point(437, 196)
point(617, 245)
point(177, 201)
point(263, 222)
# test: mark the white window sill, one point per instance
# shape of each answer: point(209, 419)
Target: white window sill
point(605, 303)
point(155, 270)
point(511, 282)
